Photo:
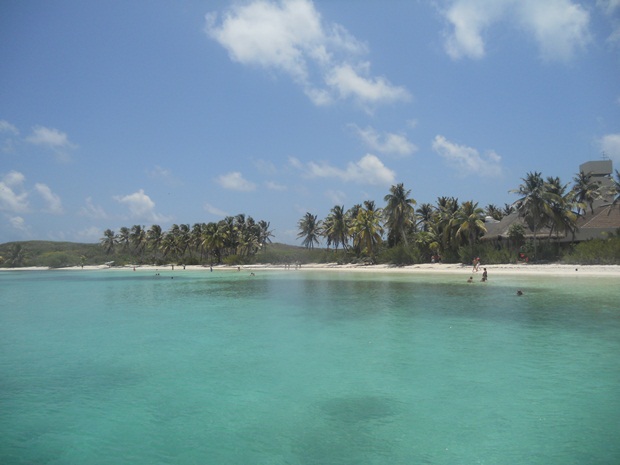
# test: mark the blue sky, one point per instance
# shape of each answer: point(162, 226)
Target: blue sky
point(119, 113)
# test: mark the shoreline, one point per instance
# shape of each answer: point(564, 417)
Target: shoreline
point(426, 268)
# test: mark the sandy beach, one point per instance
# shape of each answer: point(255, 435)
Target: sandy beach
point(427, 268)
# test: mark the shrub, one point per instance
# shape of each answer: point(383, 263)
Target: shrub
point(595, 252)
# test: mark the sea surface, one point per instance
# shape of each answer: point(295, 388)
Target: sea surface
point(307, 367)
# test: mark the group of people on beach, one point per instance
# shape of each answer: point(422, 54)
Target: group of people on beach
point(476, 268)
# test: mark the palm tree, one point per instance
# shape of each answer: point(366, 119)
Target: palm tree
point(534, 205)
point(123, 237)
point(399, 214)
point(108, 241)
point(586, 191)
point(310, 230)
point(367, 229)
point(185, 239)
point(351, 214)
point(426, 215)
point(562, 218)
point(265, 234)
point(336, 227)
point(508, 209)
point(494, 212)
point(468, 222)
point(170, 246)
point(446, 210)
point(154, 238)
point(213, 240)
point(137, 238)
point(196, 238)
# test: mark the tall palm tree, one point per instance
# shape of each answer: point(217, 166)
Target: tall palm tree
point(534, 204)
point(196, 238)
point(137, 238)
point(446, 210)
point(170, 246)
point(265, 234)
point(185, 239)
point(399, 214)
point(562, 218)
point(108, 241)
point(586, 191)
point(367, 229)
point(123, 238)
point(426, 215)
point(154, 238)
point(213, 240)
point(336, 227)
point(310, 229)
point(468, 223)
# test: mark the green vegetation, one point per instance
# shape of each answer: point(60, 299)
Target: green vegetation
point(50, 254)
point(449, 230)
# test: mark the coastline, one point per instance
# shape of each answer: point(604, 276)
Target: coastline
point(426, 268)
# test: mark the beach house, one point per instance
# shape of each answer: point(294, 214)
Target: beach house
point(598, 223)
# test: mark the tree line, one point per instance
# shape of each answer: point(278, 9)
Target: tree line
point(451, 229)
point(239, 236)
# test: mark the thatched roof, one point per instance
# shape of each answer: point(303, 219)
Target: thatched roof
point(500, 230)
point(605, 219)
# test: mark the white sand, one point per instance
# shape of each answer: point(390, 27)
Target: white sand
point(506, 269)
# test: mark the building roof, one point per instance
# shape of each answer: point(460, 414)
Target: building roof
point(607, 216)
point(591, 225)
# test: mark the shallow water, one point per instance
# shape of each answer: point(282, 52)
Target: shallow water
point(300, 367)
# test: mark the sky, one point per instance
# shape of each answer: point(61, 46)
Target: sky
point(118, 113)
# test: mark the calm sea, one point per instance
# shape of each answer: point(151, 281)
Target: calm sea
point(300, 367)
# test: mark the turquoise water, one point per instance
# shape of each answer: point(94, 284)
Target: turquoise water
point(300, 367)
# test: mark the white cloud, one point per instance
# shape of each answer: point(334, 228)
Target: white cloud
point(560, 27)
point(13, 178)
point(214, 210)
point(609, 7)
point(274, 186)
point(236, 182)
point(368, 170)
point(467, 160)
point(290, 36)
point(610, 145)
point(469, 18)
point(10, 200)
point(388, 143)
point(54, 205)
point(17, 222)
point(52, 139)
point(93, 211)
point(265, 167)
point(350, 84)
point(6, 127)
point(336, 197)
point(140, 206)
point(164, 175)
point(90, 234)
